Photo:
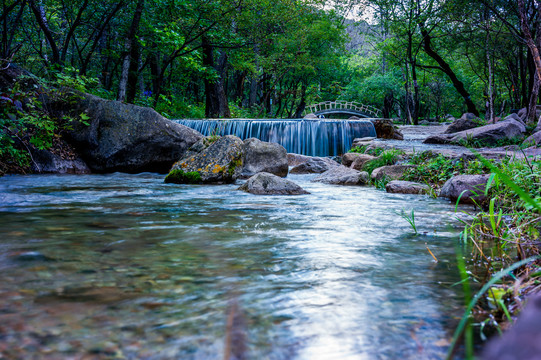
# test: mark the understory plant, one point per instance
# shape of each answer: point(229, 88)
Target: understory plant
point(387, 157)
point(28, 123)
point(505, 255)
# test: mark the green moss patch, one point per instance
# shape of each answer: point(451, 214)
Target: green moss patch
point(181, 177)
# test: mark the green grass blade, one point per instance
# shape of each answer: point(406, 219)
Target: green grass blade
point(497, 277)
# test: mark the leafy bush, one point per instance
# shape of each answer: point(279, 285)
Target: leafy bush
point(387, 157)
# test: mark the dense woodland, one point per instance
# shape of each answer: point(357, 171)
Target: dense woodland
point(414, 59)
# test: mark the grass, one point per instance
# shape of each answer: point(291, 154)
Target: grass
point(387, 157)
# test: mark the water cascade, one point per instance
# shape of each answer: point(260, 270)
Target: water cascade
point(314, 137)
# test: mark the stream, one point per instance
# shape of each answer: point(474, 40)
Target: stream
point(123, 266)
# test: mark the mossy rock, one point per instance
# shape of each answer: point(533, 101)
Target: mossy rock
point(180, 177)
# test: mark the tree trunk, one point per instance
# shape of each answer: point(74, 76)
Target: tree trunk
point(459, 86)
point(216, 105)
point(302, 104)
point(129, 44)
point(535, 56)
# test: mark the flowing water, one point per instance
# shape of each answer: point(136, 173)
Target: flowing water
point(313, 137)
point(125, 266)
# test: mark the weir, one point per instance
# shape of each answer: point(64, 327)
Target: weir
point(313, 137)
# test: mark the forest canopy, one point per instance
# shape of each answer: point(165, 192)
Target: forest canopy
point(414, 59)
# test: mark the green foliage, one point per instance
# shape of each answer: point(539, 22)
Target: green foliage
point(387, 157)
point(365, 149)
point(432, 169)
point(178, 176)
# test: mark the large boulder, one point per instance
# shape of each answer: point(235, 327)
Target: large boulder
point(391, 172)
point(534, 140)
point(385, 129)
point(341, 175)
point(260, 156)
point(461, 124)
point(521, 341)
point(268, 184)
point(128, 138)
point(487, 135)
point(48, 162)
point(314, 165)
point(469, 188)
point(216, 160)
point(406, 187)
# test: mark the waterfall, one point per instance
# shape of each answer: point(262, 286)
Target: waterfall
point(313, 137)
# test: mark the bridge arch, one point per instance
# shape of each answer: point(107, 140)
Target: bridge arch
point(351, 108)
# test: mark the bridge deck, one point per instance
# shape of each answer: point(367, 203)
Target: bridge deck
point(345, 107)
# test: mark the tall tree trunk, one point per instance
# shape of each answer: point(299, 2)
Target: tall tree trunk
point(216, 105)
point(133, 72)
point(39, 13)
point(302, 104)
point(459, 86)
point(534, 49)
point(130, 41)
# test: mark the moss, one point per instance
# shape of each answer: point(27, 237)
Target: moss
point(234, 164)
point(180, 177)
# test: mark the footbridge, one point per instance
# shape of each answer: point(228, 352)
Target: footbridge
point(351, 108)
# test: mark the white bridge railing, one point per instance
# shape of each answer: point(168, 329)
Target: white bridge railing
point(342, 105)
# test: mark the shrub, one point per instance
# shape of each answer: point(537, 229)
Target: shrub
point(387, 157)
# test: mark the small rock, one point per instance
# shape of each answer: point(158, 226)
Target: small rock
point(269, 184)
point(406, 187)
point(342, 175)
point(314, 165)
point(31, 256)
point(393, 172)
point(359, 161)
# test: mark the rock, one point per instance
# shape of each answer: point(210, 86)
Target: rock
point(534, 140)
point(128, 138)
point(468, 116)
point(514, 116)
point(518, 123)
point(296, 159)
point(360, 160)
point(354, 118)
point(488, 134)
point(310, 116)
point(314, 165)
point(342, 175)
point(260, 156)
point(521, 342)
point(46, 162)
point(268, 184)
point(470, 188)
point(358, 142)
point(392, 172)
point(385, 129)
point(406, 187)
point(348, 158)
point(217, 161)
point(424, 122)
point(460, 125)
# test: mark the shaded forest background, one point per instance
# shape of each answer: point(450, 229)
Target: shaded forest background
point(414, 59)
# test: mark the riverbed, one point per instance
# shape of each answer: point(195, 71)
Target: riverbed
point(125, 266)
